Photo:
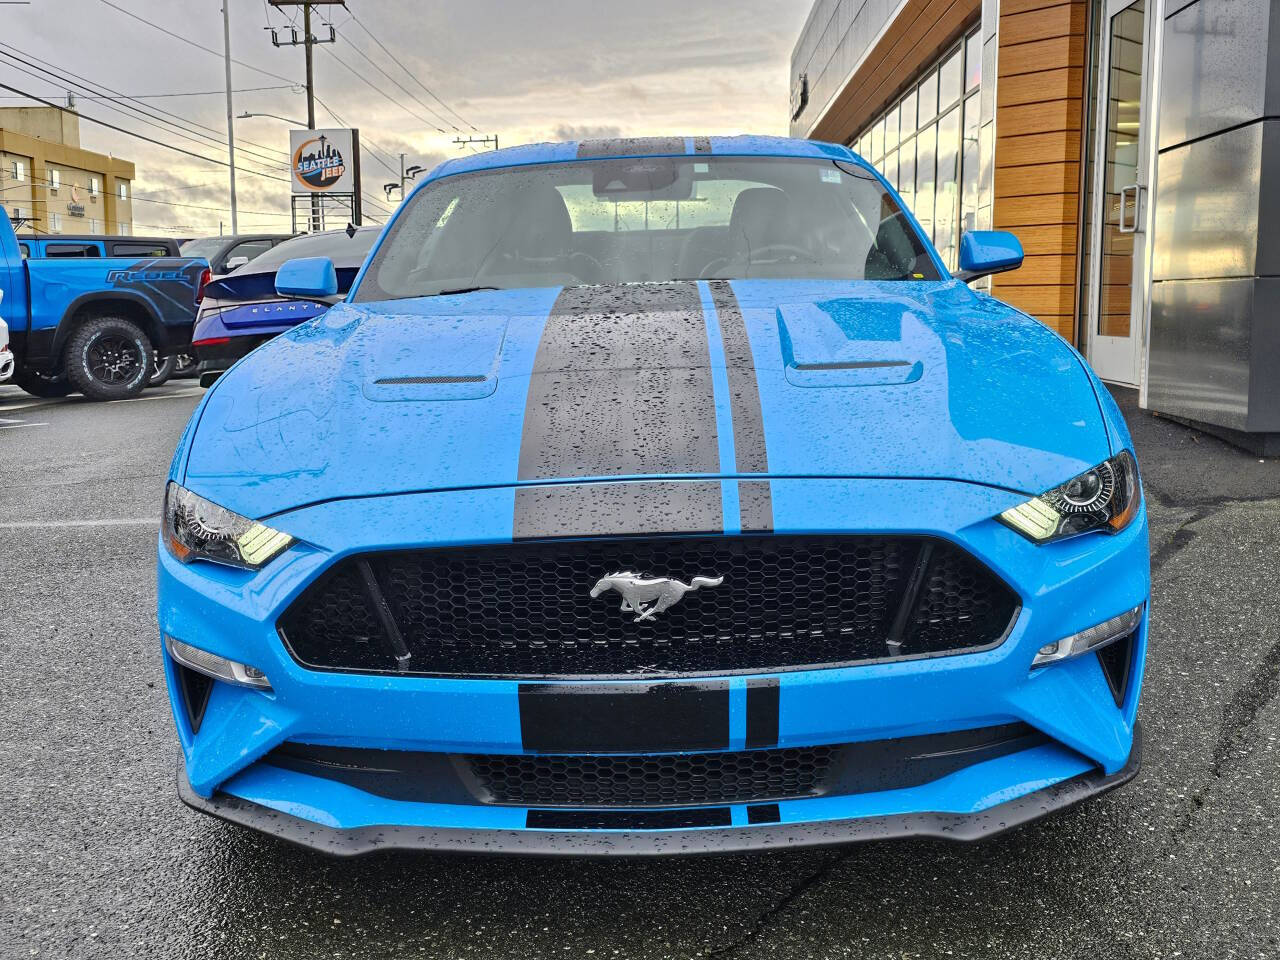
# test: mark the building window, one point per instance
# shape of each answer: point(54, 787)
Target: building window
point(93, 225)
point(123, 230)
point(55, 223)
point(124, 190)
point(94, 186)
point(19, 170)
point(55, 179)
point(938, 161)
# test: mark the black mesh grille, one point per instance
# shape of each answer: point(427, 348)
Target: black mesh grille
point(665, 781)
point(525, 610)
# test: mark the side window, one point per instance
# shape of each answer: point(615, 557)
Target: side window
point(25, 251)
point(249, 249)
point(56, 251)
point(139, 250)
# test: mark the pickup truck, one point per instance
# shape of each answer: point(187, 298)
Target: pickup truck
point(95, 325)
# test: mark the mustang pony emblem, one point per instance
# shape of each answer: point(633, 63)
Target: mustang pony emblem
point(649, 596)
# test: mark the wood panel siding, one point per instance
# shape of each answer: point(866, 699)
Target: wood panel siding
point(916, 37)
point(1039, 118)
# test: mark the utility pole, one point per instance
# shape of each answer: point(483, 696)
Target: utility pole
point(307, 42)
point(231, 123)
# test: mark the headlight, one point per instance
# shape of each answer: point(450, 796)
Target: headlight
point(195, 529)
point(1104, 498)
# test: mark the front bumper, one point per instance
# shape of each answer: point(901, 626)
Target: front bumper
point(1089, 737)
point(6, 365)
point(960, 827)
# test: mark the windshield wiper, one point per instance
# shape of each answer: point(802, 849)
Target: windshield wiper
point(445, 293)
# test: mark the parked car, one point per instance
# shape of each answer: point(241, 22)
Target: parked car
point(95, 324)
point(66, 246)
point(242, 310)
point(228, 253)
point(656, 496)
point(6, 355)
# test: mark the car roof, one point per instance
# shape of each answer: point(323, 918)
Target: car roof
point(748, 146)
point(95, 237)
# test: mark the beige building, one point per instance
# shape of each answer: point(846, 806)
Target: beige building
point(49, 185)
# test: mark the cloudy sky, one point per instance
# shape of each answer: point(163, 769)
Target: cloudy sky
point(525, 70)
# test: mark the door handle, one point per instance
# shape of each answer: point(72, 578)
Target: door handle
point(1124, 206)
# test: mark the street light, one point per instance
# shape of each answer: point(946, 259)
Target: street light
point(274, 116)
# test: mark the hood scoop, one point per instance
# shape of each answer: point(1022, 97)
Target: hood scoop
point(848, 343)
point(449, 360)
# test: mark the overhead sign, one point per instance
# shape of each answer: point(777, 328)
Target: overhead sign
point(325, 161)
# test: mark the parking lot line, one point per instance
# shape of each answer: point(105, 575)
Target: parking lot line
point(15, 424)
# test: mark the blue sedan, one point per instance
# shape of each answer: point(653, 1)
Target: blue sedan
point(654, 496)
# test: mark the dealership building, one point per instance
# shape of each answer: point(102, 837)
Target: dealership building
point(50, 185)
point(1131, 146)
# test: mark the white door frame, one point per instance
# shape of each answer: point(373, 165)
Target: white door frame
point(1120, 359)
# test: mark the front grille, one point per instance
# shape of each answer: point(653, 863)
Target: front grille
point(671, 780)
point(524, 610)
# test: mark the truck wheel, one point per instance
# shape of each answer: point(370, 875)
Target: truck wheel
point(38, 384)
point(161, 370)
point(109, 358)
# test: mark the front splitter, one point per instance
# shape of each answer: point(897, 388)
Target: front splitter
point(599, 843)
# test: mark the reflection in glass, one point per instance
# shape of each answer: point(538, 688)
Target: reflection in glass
point(909, 113)
point(972, 61)
point(947, 197)
point(950, 80)
point(877, 141)
point(907, 174)
point(1124, 104)
point(926, 146)
point(891, 169)
point(928, 102)
point(970, 165)
point(891, 130)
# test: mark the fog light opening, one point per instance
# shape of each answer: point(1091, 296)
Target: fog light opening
point(1087, 641)
point(212, 665)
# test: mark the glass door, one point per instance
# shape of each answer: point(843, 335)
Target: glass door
point(1117, 288)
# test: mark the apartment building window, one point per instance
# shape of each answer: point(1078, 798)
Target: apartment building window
point(927, 145)
point(55, 178)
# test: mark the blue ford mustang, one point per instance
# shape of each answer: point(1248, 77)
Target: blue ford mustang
point(654, 496)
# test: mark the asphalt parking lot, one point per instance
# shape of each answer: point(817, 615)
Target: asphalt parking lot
point(101, 860)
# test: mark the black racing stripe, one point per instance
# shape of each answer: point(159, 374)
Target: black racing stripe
point(624, 717)
point(618, 509)
point(762, 712)
point(630, 147)
point(628, 819)
point(701, 144)
point(744, 392)
point(621, 384)
point(755, 506)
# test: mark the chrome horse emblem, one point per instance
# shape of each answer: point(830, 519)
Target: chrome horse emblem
point(647, 597)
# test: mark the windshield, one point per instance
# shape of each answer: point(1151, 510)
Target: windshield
point(647, 219)
point(203, 247)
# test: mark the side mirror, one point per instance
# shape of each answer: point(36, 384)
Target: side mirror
point(234, 263)
point(307, 278)
point(983, 252)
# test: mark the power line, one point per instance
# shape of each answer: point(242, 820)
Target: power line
point(134, 133)
point(151, 119)
point(372, 86)
point(374, 148)
point(189, 42)
point(164, 96)
point(410, 93)
point(411, 74)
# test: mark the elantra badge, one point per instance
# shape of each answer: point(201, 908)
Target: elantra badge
point(647, 597)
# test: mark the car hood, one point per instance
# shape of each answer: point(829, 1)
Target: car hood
point(781, 378)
